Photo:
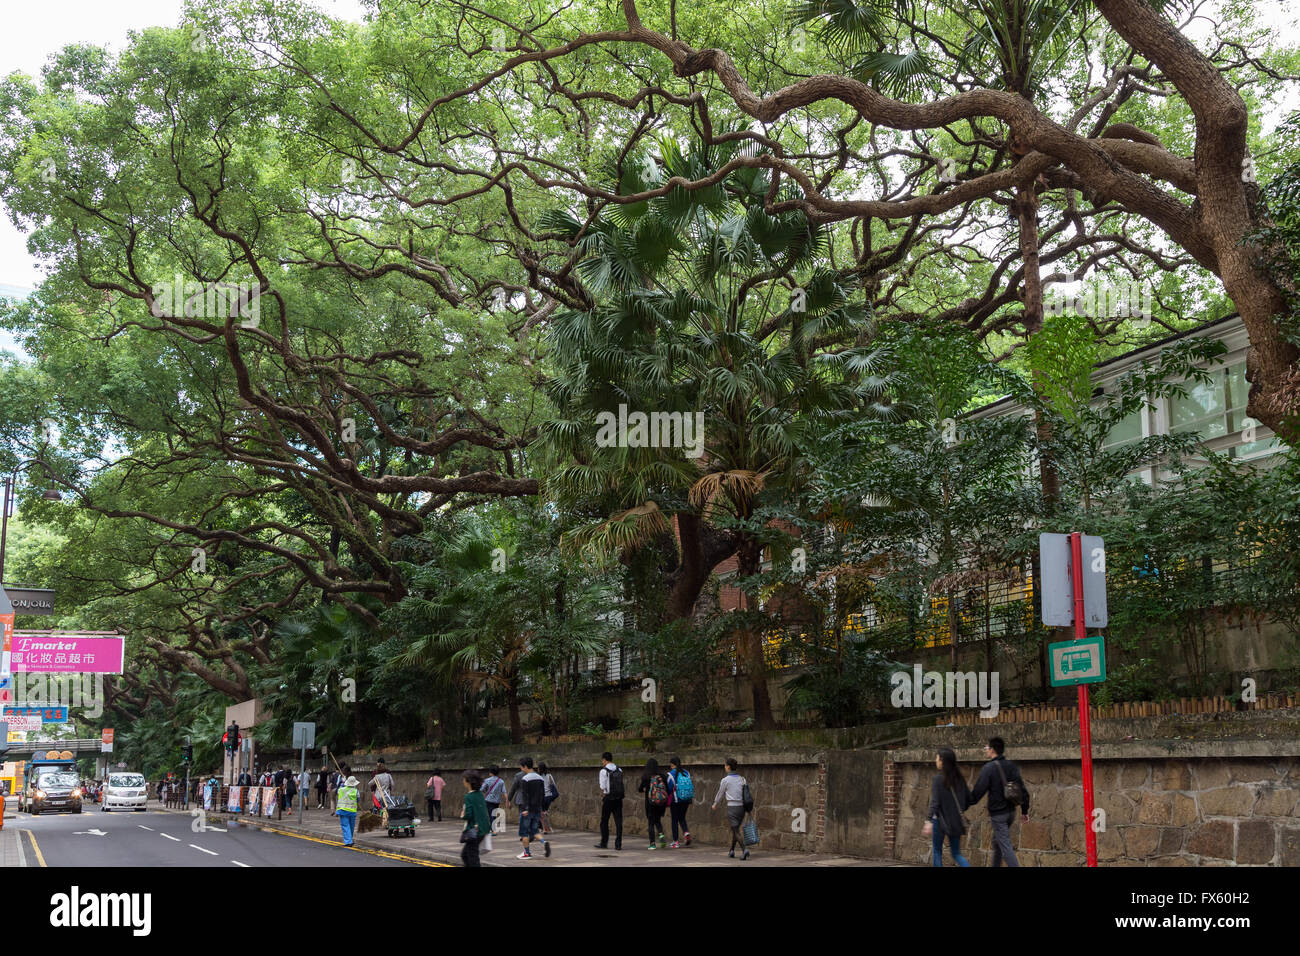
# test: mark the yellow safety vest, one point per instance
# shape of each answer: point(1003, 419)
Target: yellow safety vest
point(348, 798)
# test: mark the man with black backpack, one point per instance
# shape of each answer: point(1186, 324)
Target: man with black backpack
point(1001, 780)
point(611, 804)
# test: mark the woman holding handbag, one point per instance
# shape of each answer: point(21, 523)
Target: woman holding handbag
point(949, 796)
point(477, 822)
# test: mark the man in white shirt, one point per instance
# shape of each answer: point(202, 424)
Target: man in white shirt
point(611, 804)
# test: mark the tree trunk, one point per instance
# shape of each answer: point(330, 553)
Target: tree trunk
point(751, 641)
point(512, 701)
point(1026, 207)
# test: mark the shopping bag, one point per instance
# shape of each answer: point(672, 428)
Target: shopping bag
point(751, 832)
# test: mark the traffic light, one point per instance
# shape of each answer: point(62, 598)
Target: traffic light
point(188, 753)
point(231, 738)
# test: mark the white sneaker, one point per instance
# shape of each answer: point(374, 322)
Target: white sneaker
point(524, 856)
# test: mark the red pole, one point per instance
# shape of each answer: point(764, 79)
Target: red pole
point(1085, 723)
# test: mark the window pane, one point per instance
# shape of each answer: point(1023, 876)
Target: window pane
point(1202, 410)
point(1126, 431)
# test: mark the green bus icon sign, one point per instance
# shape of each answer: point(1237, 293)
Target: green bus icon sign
point(1078, 662)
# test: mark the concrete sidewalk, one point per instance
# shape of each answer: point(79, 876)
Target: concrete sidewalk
point(440, 843)
point(12, 850)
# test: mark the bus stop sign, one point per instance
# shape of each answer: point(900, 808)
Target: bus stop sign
point(1078, 662)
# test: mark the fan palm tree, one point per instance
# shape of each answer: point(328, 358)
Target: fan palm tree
point(706, 304)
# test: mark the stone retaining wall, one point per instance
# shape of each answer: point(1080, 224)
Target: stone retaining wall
point(1211, 790)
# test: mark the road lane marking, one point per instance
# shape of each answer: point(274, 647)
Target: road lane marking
point(201, 850)
point(40, 857)
point(237, 863)
point(170, 837)
point(143, 827)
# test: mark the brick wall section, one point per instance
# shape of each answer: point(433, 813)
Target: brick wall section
point(893, 786)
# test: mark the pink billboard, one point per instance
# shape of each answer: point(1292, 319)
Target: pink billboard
point(66, 654)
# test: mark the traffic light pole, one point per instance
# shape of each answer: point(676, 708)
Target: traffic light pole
point(186, 803)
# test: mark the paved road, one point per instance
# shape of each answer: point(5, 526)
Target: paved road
point(155, 838)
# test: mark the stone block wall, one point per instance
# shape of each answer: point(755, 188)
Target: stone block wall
point(1202, 790)
point(1157, 813)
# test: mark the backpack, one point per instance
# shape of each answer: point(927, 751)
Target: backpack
point(685, 789)
point(657, 792)
point(552, 790)
point(615, 783)
point(1013, 791)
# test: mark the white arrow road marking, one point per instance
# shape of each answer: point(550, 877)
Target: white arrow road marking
point(170, 837)
point(237, 863)
point(143, 827)
point(201, 850)
point(91, 832)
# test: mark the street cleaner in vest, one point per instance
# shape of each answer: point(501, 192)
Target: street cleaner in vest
point(347, 811)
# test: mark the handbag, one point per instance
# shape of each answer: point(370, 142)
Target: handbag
point(750, 832)
point(960, 815)
point(468, 834)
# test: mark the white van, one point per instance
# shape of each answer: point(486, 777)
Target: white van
point(126, 790)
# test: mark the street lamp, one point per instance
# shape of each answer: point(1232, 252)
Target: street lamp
point(11, 479)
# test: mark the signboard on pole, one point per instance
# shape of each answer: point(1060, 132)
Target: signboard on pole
point(6, 648)
point(1077, 662)
point(1057, 584)
point(37, 652)
point(106, 740)
point(30, 600)
point(47, 715)
point(304, 735)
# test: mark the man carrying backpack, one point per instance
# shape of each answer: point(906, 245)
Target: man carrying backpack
point(1001, 780)
point(493, 789)
point(611, 804)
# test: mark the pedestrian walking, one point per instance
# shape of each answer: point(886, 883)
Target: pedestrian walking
point(654, 784)
point(290, 786)
point(335, 782)
point(551, 794)
point(304, 786)
point(515, 795)
point(433, 795)
point(732, 788)
point(533, 790)
point(322, 787)
point(683, 794)
point(347, 811)
point(949, 796)
point(611, 801)
point(493, 790)
point(478, 823)
point(1001, 780)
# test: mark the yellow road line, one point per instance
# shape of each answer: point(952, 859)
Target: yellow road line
point(360, 849)
point(39, 856)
